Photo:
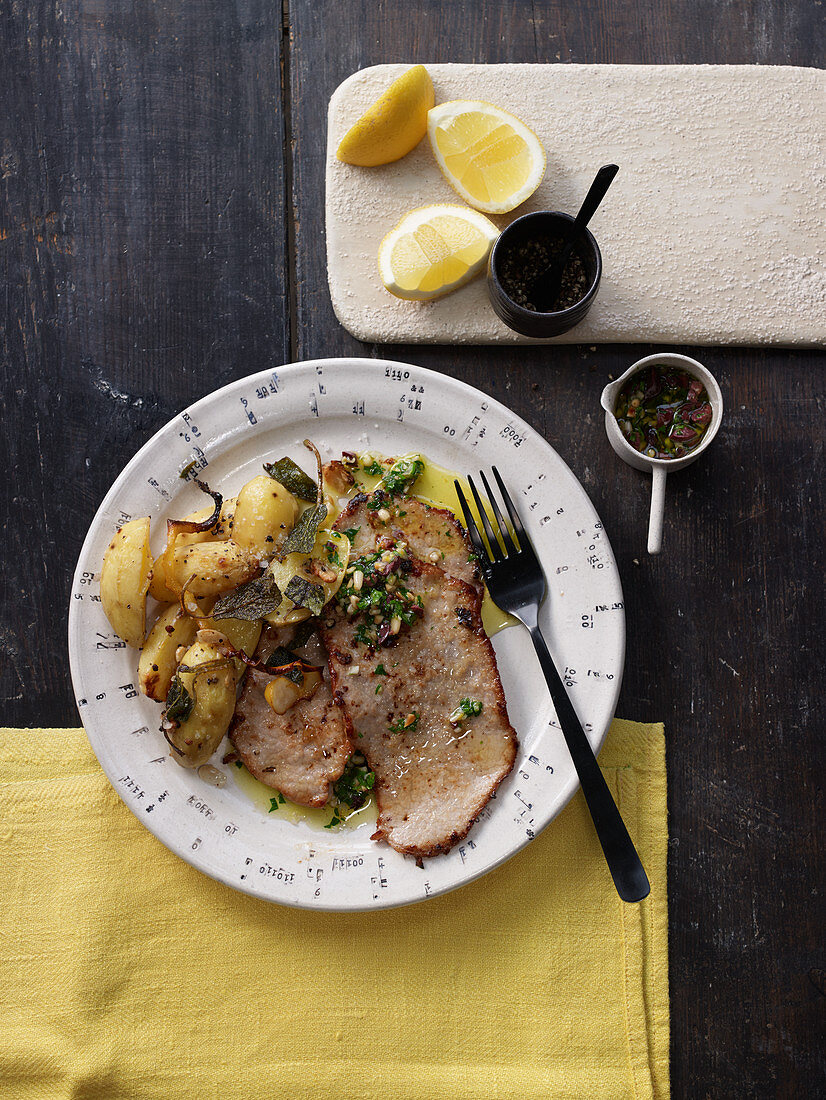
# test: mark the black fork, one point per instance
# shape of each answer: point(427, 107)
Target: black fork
point(517, 584)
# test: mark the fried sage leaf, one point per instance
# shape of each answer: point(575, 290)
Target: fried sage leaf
point(252, 600)
point(303, 632)
point(292, 477)
point(281, 656)
point(176, 527)
point(179, 703)
point(304, 593)
point(285, 663)
point(301, 539)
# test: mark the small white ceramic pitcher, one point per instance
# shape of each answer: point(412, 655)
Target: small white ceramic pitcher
point(659, 467)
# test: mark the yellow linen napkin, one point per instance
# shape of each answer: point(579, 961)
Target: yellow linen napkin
point(127, 975)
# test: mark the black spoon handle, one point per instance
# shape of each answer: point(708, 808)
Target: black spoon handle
point(544, 290)
point(596, 193)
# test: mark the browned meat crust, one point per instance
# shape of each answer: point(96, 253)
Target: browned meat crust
point(433, 535)
point(300, 753)
point(433, 777)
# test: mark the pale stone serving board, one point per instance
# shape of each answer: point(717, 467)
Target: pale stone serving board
point(712, 233)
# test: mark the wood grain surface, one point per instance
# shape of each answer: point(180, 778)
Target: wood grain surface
point(162, 232)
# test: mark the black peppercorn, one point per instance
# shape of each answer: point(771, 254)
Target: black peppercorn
point(521, 265)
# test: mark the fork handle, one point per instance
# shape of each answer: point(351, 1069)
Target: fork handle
point(624, 864)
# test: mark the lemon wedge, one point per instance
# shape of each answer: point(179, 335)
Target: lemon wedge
point(435, 249)
point(393, 125)
point(490, 157)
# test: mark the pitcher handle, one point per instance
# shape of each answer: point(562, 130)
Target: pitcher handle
point(655, 519)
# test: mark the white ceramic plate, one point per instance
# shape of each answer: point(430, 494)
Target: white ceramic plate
point(352, 404)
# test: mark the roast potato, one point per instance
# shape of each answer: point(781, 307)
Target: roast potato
point(265, 514)
point(157, 663)
point(215, 567)
point(220, 530)
point(212, 688)
point(158, 589)
point(124, 580)
point(240, 633)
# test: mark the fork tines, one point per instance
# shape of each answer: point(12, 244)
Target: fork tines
point(498, 543)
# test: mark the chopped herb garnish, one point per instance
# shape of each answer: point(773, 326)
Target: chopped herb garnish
point(406, 722)
point(332, 554)
point(372, 468)
point(402, 474)
point(468, 708)
point(179, 703)
point(381, 599)
point(304, 593)
point(292, 477)
point(279, 800)
point(352, 532)
point(380, 670)
point(250, 601)
point(355, 784)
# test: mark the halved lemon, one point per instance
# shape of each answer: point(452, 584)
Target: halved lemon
point(489, 156)
point(393, 125)
point(435, 249)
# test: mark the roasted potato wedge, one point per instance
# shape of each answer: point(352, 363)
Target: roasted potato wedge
point(240, 634)
point(157, 663)
point(326, 566)
point(158, 589)
point(213, 691)
point(222, 530)
point(215, 566)
point(265, 514)
point(124, 581)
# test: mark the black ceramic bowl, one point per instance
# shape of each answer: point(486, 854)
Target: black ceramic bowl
point(528, 322)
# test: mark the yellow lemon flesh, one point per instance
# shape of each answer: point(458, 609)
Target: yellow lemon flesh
point(393, 125)
point(490, 157)
point(434, 250)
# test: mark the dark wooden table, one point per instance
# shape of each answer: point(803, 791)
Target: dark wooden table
point(162, 233)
